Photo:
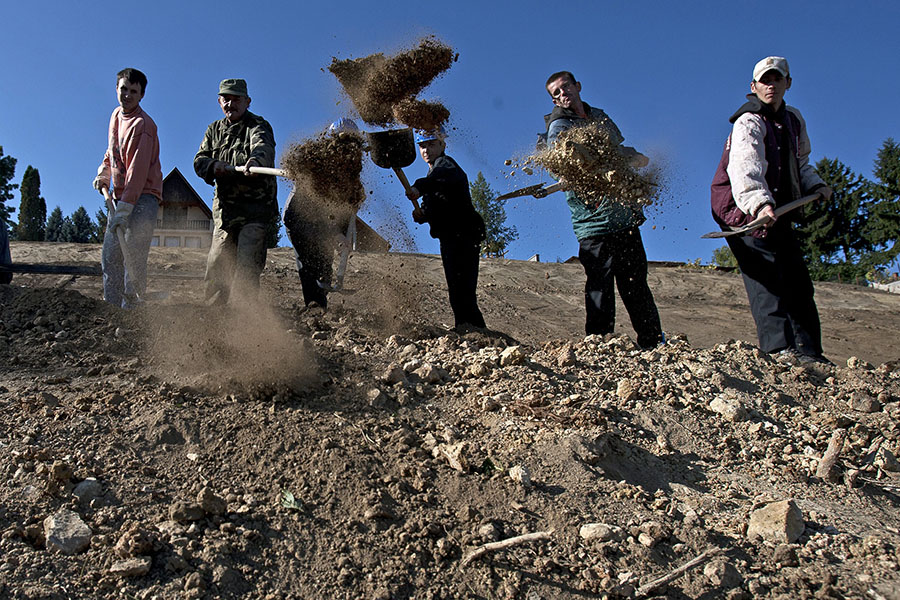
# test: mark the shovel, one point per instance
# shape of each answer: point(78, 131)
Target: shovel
point(762, 221)
point(260, 170)
point(394, 149)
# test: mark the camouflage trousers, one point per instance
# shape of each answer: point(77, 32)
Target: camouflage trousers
point(236, 258)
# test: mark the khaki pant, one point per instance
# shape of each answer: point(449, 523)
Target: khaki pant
point(236, 258)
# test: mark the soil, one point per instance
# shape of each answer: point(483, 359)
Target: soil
point(269, 451)
point(384, 89)
point(328, 167)
point(594, 167)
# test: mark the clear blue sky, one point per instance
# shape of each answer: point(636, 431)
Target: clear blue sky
point(668, 73)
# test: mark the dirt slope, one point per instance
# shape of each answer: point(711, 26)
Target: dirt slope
point(181, 451)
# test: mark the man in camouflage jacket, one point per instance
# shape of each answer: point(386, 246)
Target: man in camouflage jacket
point(245, 205)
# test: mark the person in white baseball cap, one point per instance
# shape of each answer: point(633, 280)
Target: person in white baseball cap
point(765, 165)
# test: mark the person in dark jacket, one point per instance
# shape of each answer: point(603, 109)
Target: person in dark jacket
point(765, 165)
point(609, 238)
point(447, 208)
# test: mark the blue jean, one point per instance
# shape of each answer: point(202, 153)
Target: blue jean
point(123, 286)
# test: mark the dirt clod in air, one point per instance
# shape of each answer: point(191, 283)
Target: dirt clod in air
point(594, 167)
point(328, 167)
point(420, 114)
point(377, 84)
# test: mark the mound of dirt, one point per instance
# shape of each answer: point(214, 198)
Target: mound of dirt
point(377, 84)
point(145, 457)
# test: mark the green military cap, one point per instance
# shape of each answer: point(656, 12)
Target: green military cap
point(233, 87)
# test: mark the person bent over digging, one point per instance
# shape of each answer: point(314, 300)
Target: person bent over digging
point(447, 208)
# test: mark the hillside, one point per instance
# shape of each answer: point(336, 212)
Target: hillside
point(181, 451)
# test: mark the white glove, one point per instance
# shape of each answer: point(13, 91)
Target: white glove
point(99, 184)
point(120, 217)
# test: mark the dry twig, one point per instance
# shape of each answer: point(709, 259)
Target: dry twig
point(645, 589)
point(513, 541)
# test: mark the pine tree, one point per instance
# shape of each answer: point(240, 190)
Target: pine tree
point(882, 227)
point(67, 231)
point(831, 234)
point(7, 172)
point(32, 208)
point(100, 229)
point(497, 236)
point(54, 225)
point(83, 228)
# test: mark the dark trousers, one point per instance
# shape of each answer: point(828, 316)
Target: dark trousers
point(460, 259)
point(618, 256)
point(314, 250)
point(779, 290)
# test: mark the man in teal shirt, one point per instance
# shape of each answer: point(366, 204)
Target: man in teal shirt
point(610, 245)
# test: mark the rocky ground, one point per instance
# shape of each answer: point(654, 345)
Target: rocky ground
point(181, 451)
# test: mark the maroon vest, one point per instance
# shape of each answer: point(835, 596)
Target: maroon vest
point(724, 210)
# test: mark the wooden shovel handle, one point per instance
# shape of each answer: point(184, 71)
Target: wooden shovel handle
point(402, 177)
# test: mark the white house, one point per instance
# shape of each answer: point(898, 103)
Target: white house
point(184, 220)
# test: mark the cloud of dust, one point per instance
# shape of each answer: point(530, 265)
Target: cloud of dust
point(234, 347)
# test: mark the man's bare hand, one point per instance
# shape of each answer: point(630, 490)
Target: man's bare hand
point(418, 215)
point(767, 211)
point(413, 194)
point(250, 163)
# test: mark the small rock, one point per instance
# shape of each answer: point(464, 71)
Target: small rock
point(49, 399)
point(454, 454)
point(512, 355)
point(626, 390)
point(730, 408)
point(489, 532)
point(88, 489)
point(132, 567)
point(211, 503)
point(566, 356)
point(428, 373)
point(785, 556)
point(134, 541)
point(184, 512)
point(600, 532)
point(66, 533)
point(393, 375)
point(778, 522)
point(887, 461)
point(863, 402)
point(479, 369)
point(520, 474)
point(377, 398)
point(722, 574)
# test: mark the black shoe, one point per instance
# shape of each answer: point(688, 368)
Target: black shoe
point(807, 359)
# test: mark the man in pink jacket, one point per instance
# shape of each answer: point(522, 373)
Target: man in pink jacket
point(131, 171)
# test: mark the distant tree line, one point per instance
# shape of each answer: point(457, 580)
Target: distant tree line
point(34, 225)
point(852, 237)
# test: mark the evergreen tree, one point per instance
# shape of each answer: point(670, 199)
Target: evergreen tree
point(100, 229)
point(831, 235)
point(32, 208)
point(723, 257)
point(67, 230)
point(497, 236)
point(54, 225)
point(83, 229)
point(273, 232)
point(7, 172)
point(882, 227)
